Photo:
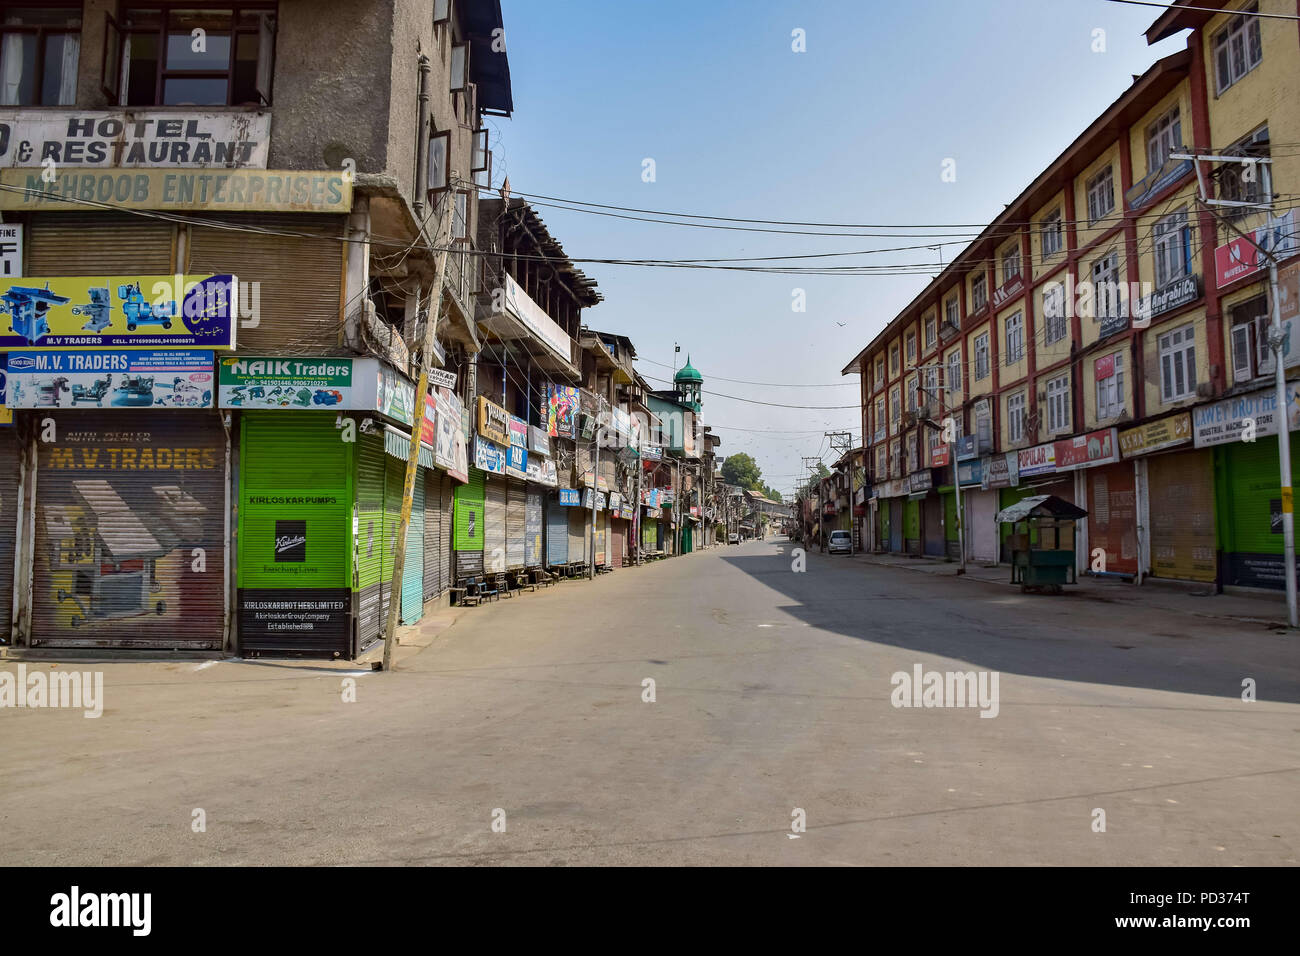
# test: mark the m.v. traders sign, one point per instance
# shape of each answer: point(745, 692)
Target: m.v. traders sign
point(120, 312)
point(157, 379)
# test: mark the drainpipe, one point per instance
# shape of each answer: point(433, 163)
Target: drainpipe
point(422, 141)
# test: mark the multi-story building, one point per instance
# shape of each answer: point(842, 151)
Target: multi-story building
point(214, 461)
point(1103, 339)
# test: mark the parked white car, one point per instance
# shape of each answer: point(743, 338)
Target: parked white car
point(841, 542)
point(734, 539)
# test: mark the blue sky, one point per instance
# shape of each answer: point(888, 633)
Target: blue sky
point(855, 129)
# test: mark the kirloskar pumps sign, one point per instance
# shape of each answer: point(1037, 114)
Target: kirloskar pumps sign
point(157, 379)
point(124, 138)
point(285, 383)
point(119, 312)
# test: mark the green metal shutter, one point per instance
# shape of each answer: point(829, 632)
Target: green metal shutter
point(371, 467)
point(1252, 529)
point(467, 516)
point(413, 566)
point(295, 536)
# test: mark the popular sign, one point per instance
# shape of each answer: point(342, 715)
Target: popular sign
point(121, 138)
point(119, 312)
point(110, 379)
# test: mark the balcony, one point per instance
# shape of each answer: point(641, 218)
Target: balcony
point(523, 322)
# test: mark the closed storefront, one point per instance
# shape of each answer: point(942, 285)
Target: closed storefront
point(618, 542)
point(1112, 516)
point(896, 524)
point(516, 523)
point(579, 521)
point(1250, 511)
point(438, 491)
point(1180, 489)
point(982, 529)
point(413, 564)
point(601, 536)
point(10, 455)
point(295, 531)
point(369, 545)
point(467, 519)
point(557, 533)
point(129, 545)
point(494, 524)
point(933, 525)
point(950, 537)
point(101, 243)
point(533, 524)
point(912, 526)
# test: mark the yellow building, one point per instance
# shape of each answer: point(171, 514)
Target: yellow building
point(1103, 338)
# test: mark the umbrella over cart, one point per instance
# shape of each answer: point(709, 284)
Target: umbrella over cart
point(1042, 541)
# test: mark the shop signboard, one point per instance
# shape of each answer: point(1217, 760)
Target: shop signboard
point(438, 378)
point(1238, 257)
point(570, 498)
point(652, 452)
point(1156, 436)
point(1172, 296)
point(489, 457)
point(516, 461)
point(539, 442)
point(920, 481)
point(938, 456)
point(429, 423)
point(1084, 451)
point(292, 383)
point(493, 422)
point(601, 500)
point(966, 448)
point(970, 472)
point(157, 379)
point(1005, 293)
point(119, 312)
point(127, 138)
point(562, 411)
point(208, 190)
point(449, 451)
point(11, 250)
point(1037, 460)
point(1001, 471)
point(542, 471)
point(1226, 421)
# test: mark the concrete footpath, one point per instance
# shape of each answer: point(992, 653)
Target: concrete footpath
point(1152, 595)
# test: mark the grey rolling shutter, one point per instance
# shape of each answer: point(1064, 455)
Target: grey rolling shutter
point(516, 512)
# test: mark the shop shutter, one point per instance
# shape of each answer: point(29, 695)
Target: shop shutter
point(1181, 491)
point(433, 585)
point(981, 527)
point(371, 469)
point(618, 539)
point(516, 520)
point(494, 524)
point(601, 536)
point(934, 525)
point(99, 244)
point(578, 521)
point(533, 529)
point(896, 524)
point(413, 565)
point(10, 453)
point(557, 533)
point(1251, 529)
point(295, 536)
point(648, 534)
point(125, 503)
point(912, 525)
point(299, 279)
point(394, 479)
point(467, 521)
point(1112, 515)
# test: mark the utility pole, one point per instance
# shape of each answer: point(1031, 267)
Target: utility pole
point(1276, 340)
point(810, 462)
point(595, 492)
point(843, 442)
point(636, 525)
point(441, 237)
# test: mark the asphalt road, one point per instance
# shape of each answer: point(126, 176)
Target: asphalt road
point(772, 694)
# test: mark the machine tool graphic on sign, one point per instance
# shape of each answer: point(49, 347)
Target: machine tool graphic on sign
point(104, 379)
point(123, 312)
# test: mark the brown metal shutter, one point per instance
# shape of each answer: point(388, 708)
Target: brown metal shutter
point(494, 523)
point(299, 278)
point(130, 532)
point(618, 541)
point(99, 243)
point(516, 514)
point(1112, 515)
point(10, 453)
point(1181, 492)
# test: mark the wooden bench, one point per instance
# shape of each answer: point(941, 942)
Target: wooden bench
point(502, 585)
point(481, 589)
point(542, 577)
point(461, 596)
point(522, 582)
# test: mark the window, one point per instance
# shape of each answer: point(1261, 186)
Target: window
point(1052, 237)
point(882, 461)
point(161, 67)
point(911, 394)
point(1109, 373)
point(893, 359)
point(984, 425)
point(1240, 182)
point(1054, 313)
point(912, 463)
point(911, 348)
point(934, 438)
point(39, 49)
point(1015, 338)
point(950, 315)
point(895, 457)
point(1164, 136)
point(1178, 364)
point(1173, 248)
point(880, 372)
point(1058, 404)
point(954, 372)
point(1105, 287)
point(1010, 263)
point(1101, 196)
point(1250, 352)
point(1016, 417)
point(931, 394)
point(978, 293)
point(1237, 50)
point(931, 329)
point(981, 356)
point(895, 406)
point(880, 418)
